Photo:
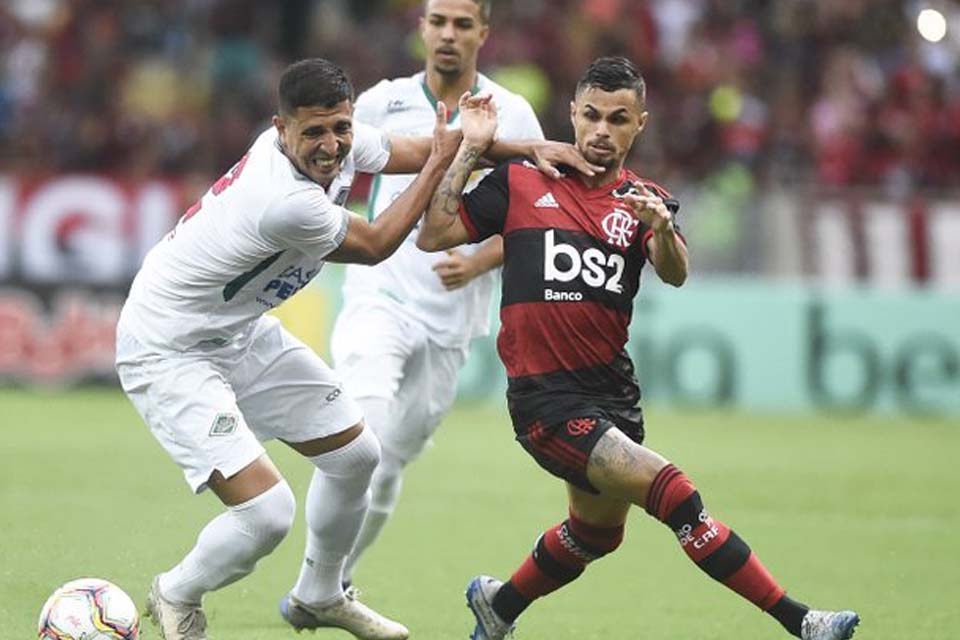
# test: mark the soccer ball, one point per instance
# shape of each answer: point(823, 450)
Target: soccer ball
point(89, 609)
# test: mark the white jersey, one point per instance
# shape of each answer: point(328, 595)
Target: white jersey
point(255, 238)
point(406, 279)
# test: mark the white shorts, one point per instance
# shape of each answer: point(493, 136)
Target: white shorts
point(210, 409)
point(384, 356)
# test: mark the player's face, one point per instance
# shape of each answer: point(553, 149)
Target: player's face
point(452, 32)
point(606, 123)
point(317, 139)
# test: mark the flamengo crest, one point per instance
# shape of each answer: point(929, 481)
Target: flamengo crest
point(620, 227)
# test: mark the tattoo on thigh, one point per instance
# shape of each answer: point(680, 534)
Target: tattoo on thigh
point(613, 454)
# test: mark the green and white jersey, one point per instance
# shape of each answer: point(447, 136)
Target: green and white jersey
point(406, 280)
point(254, 239)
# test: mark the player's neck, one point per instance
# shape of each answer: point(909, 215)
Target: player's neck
point(610, 176)
point(448, 89)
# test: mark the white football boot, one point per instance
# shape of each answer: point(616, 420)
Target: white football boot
point(349, 614)
point(176, 621)
point(490, 626)
point(828, 625)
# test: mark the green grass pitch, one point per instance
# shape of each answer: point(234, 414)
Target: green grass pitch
point(859, 513)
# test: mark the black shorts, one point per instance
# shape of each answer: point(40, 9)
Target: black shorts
point(563, 447)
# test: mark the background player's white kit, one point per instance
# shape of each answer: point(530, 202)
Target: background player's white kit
point(405, 282)
point(401, 338)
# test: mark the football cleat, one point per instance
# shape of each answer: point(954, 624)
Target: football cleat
point(348, 614)
point(176, 621)
point(490, 626)
point(828, 625)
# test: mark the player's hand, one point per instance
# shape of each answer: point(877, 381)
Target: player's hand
point(478, 120)
point(548, 155)
point(455, 270)
point(649, 208)
point(445, 141)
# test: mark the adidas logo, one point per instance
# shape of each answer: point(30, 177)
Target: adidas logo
point(546, 201)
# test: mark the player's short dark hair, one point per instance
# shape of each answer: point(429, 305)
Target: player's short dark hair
point(484, 5)
point(313, 82)
point(613, 74)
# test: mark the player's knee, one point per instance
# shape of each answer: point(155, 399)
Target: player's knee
point(594, 541)
point(366, 453)
point(269, 517)
point(385, 490)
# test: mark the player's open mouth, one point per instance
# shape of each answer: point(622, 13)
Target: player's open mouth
point(325, 164)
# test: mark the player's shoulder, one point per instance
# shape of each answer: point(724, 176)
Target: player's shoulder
point(672, 203)
point(520, 172)
point(265, 141)
point(649, 184)
point(504, 97)
point(273, 168)
point(401, 88)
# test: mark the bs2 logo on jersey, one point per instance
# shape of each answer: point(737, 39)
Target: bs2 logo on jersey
point(592, 266)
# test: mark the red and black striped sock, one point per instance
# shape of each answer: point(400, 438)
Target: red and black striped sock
point(559, 557)
point(716, 549)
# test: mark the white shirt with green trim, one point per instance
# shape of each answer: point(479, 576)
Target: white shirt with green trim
point(406, 280)
point(255, 238)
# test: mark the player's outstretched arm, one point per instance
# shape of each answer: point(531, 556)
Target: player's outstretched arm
point(666, 249)
point(408, 153)
point(373, 242)
point(548, 155)
point(442, 227)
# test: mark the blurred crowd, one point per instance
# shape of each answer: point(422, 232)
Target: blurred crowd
point(838, 93)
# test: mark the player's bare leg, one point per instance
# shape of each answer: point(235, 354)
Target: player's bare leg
point(626, 473)
point(593, 529)
point(336, 503)
point(260, 511)
point(622, 468)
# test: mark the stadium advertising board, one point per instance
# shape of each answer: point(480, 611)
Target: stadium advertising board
point(777, 347)
point(781, 347)
point(69, 246)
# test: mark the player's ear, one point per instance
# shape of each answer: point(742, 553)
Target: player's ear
point(280, 125)
point(573, 114)
point(484, 32)
point(642, 122)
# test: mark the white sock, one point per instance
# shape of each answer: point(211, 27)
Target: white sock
point(230, 545)
point(385, 492)
point(337, 501)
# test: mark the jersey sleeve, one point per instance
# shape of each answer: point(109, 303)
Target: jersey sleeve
point(307, 221)
point(483, 210)
point(371, 148)
point(672, 205)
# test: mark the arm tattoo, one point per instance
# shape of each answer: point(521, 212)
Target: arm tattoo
point(447, 197)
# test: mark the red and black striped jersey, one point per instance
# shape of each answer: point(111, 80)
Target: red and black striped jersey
point(572, 261)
